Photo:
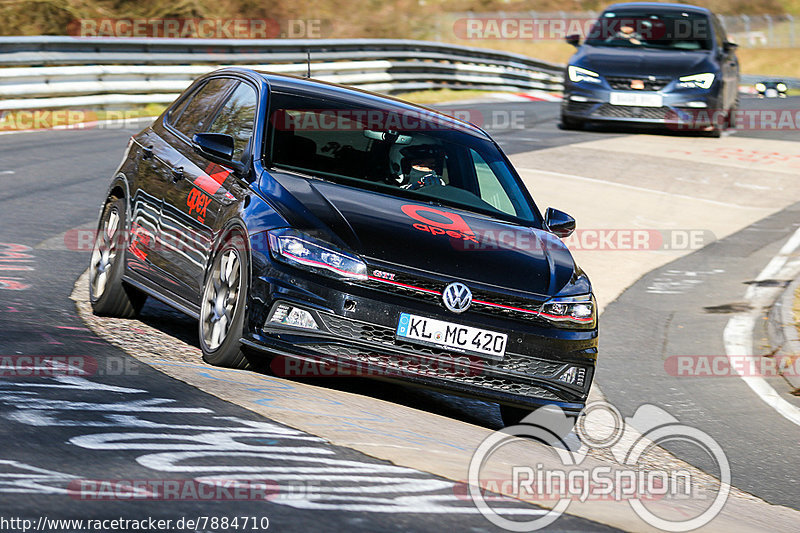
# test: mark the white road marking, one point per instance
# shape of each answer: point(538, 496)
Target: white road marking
point(635, 188)
point(753, 186)
point(738, 334)
point(234, 450)
point(2, 172)
point(701, 180)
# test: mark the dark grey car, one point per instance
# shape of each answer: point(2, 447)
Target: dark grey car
point(651, 63)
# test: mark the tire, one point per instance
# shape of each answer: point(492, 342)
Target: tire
point(720, 126)
point(222, 309)
point(570, 123)
point(513, 415)
point(109, 296)
point(715, 132)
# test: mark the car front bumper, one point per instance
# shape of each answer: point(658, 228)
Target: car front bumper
point(356, 337)
point(687, 107)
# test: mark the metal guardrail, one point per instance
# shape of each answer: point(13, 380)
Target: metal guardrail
point(59, 72)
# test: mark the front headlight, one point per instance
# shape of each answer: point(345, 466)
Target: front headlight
point(697, 81)
point(303, 251)
point(578, 74)
point(781, 87)
point(571, 311)
point(760, 87)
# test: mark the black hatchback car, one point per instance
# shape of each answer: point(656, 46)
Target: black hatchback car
point(320, 224)
point(652, 63)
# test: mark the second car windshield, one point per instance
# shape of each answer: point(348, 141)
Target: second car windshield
point(673, 31)
point(399, 152)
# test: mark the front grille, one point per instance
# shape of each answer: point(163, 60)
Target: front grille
point(629, 111)
point(623, 83)
point(485, 302)
point(384, 335)
point(400, 366)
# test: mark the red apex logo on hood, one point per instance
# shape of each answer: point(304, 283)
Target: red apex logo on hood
point(438, 222)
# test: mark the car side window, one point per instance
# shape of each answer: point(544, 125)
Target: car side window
point(196, 111)
point(236, 118)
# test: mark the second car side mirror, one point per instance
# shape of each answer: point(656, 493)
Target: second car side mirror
point(559, 223)
point(729, 46)
point(574, 39)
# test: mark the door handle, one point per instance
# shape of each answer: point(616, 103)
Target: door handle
point(147, 152)
point(177, 174)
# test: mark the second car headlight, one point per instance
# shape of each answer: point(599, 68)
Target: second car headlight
point(578, 74)
point(303, 251)
point(699, 81)
point(571, 311)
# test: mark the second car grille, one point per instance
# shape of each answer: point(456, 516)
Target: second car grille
point(629, 111)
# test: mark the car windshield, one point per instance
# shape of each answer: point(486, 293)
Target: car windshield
point(407, 153)
point(667, 31)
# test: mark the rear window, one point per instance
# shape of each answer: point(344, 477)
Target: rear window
point(403, 153)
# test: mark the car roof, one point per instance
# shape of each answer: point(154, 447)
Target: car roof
point(322, 89)
point(632, 6)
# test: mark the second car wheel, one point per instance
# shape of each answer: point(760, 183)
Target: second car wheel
point(223, 306)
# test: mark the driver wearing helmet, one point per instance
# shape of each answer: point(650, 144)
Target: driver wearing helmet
point(629, 33)
point(422, 166)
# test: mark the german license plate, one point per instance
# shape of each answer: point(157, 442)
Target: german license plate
point(456, 337)
point(637, 99)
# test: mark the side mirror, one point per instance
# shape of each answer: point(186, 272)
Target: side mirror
point(217, 147)
point(574, 39)
point(729, 46)
point(559, 223)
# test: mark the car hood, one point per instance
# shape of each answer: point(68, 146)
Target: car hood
point(611, 61)
point(444, 241)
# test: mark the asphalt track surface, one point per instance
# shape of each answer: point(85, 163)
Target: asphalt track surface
point(53, 181)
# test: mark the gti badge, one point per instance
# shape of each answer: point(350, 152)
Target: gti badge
point(457, 297)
